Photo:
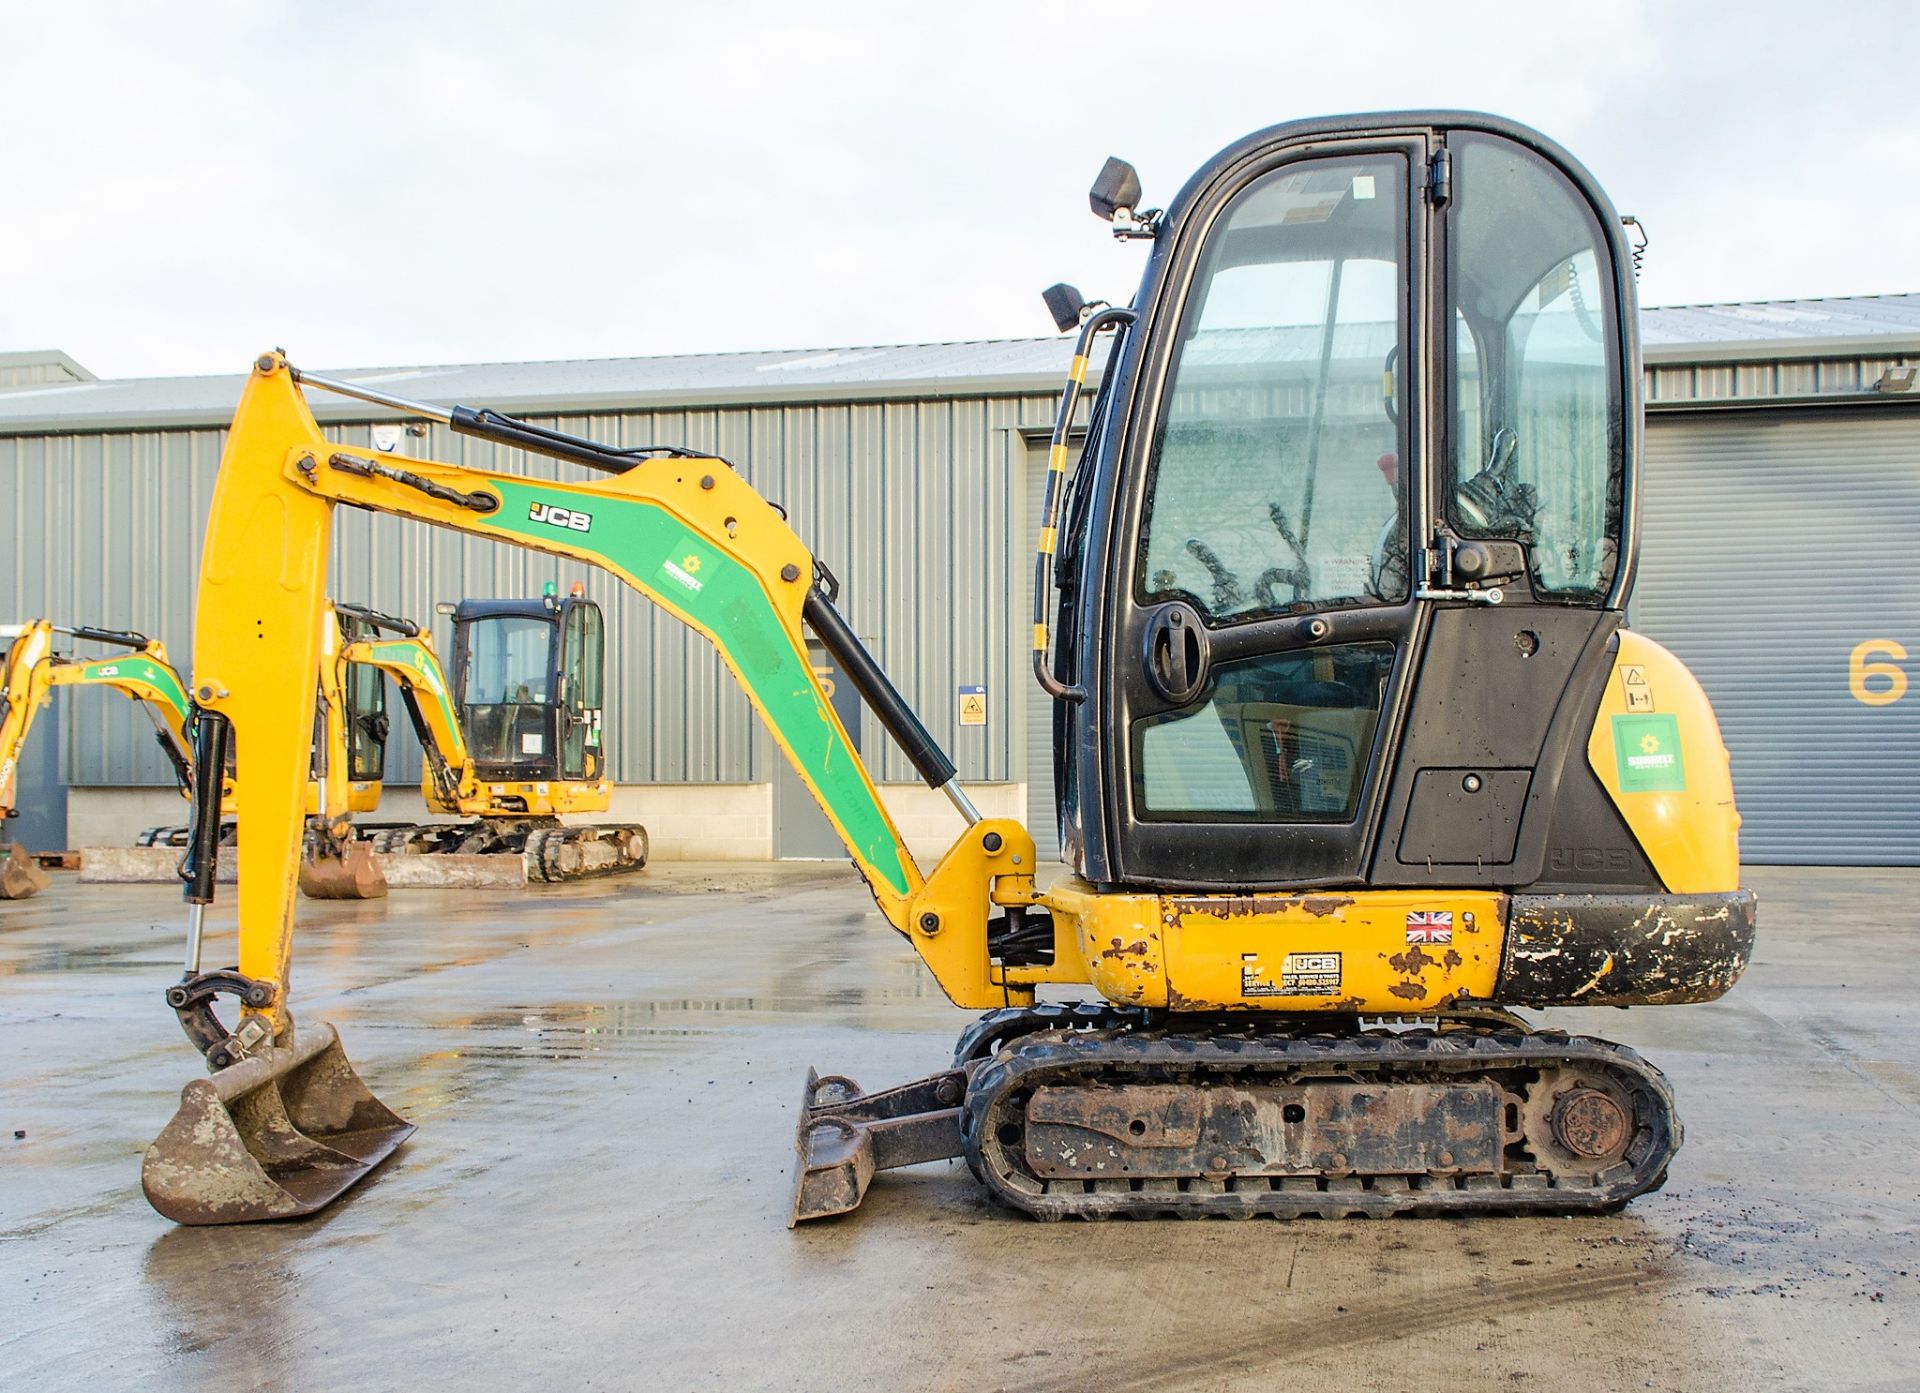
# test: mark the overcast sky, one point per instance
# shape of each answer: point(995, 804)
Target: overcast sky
point(390, 183)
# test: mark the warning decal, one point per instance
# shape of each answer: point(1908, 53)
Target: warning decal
point(973, 706)
point(1633, 682)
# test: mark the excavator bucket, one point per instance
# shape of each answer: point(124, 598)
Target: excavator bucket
point(20, 875)
point(844, 1136)
point(354, 875)
point(276, 1136)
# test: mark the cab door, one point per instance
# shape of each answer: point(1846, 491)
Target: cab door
point(1263, 609)
point(582, 651)
point(1372, 523)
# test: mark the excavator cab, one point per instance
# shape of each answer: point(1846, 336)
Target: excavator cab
point(350, 726)
point(1347, 550)
point(527, 677)
point(365, 724)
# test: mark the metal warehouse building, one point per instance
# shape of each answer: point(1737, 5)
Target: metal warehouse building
point(1783, 489)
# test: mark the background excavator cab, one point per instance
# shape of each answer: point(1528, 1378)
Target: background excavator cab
point(1352, 532)
point(527, 679)
point(364, 690)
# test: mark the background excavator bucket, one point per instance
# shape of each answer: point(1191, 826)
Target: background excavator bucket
point(353, 875)
point(20, 874)
point(276, 1136)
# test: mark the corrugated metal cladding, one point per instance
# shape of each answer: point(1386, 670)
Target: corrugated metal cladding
point(910, 503)
point(1775, 543)
point(1770, 377)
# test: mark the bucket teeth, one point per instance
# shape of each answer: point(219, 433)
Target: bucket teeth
point(20, 874)
point(281, 1134)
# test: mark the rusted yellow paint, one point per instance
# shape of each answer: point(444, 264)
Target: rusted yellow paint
point(1342, 951)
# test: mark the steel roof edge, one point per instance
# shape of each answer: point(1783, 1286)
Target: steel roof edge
point(330, 409)
point(893, 372)
point(45, 358)
point(1892, 345)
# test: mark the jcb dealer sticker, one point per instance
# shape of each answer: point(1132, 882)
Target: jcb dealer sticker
point(1301, 974)
point(1646, 752)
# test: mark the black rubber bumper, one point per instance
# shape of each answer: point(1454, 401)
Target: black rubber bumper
point(1624, 950)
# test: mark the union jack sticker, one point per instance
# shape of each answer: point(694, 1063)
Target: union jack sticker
point(1430, 926)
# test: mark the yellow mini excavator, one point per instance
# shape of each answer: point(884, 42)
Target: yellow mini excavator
point(348, 761)
point(33, 668)
point(350, 728)
point(515, 740)
point(1355, 755)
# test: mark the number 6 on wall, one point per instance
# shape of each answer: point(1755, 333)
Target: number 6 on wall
point(1859, 669)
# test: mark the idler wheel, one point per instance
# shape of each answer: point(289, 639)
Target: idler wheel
point(1589, 1123)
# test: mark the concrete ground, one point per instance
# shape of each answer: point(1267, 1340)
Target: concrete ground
point(605, 1079)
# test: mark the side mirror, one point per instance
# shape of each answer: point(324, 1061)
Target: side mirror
point(1116, 190)
point(1065, 303)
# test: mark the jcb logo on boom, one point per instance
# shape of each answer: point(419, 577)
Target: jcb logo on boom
point(560, 517)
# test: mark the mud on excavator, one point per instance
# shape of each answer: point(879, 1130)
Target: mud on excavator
point(1355, 756)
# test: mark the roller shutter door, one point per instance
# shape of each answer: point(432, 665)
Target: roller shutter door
point(1775, 543)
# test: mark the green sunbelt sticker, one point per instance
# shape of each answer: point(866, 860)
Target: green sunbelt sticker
point(1647, 749)
point(684, 564)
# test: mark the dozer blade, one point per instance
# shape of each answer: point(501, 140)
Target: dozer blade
point(276, 1136)
point(844, 1136)
point(353, 875)
point(20, 875)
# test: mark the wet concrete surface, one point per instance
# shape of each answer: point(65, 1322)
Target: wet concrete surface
point(605, 1078)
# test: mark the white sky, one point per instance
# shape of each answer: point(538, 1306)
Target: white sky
point(382, 183)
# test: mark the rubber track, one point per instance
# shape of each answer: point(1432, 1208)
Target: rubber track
point(1050, 1057)
point(544, 847)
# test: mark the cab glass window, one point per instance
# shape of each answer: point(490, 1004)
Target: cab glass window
point(366, 722)
point(1280, 738)
point(1537, 443)
point(1276, 477)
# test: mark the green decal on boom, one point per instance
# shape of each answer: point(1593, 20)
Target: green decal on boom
point(161, 679)
point(412, 657)
point(690, 575)
point(1646, 751)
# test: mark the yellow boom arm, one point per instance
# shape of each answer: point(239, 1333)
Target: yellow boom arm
point(685, 531)
point(33, 670)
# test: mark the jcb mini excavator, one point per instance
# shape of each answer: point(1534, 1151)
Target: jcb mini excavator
point(515, 739)
point(1354, 754)
point(349, 733)
point(348, 764)
point(33, 669)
